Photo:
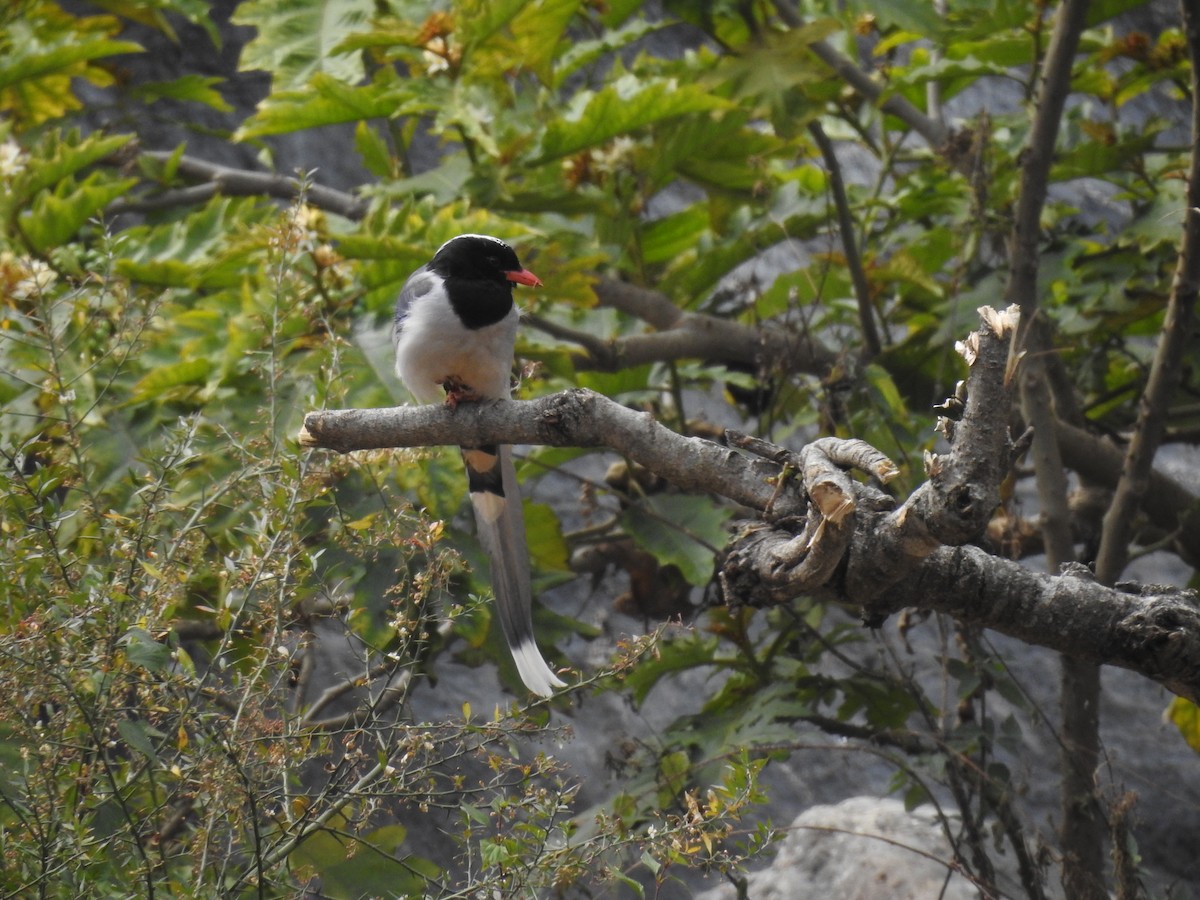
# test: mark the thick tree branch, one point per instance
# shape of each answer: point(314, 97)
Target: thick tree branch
point(1157, 634)
point(575, 418)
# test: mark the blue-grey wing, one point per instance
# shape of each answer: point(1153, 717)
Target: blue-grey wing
point(419, 283)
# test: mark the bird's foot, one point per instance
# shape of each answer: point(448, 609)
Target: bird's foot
point(457, 392)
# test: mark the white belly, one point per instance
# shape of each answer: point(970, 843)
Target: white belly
point(434, 348)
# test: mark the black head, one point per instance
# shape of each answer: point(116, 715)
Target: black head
point(478, 273)
point(478, 257)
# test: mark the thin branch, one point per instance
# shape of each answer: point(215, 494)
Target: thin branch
point(1167, 367)
point(1167, 503)
point(932, 131)
point(689, 335)
point(681, 334)
point(1038, 154)
point(366, 713)
point(232, 182)
point(862, 290)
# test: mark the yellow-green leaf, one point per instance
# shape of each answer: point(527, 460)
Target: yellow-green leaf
point(1186, 717)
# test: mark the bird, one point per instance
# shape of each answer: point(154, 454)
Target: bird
point(454, 336)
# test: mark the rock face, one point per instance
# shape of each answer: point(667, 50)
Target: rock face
point(859, 849)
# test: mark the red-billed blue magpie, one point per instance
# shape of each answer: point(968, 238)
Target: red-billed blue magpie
point(455, 328)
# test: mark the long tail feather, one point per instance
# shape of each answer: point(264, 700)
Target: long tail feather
point(501, 528)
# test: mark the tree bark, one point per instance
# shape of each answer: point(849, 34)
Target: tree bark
point(1155, 632)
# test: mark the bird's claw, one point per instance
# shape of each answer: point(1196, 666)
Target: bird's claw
point(457, 392)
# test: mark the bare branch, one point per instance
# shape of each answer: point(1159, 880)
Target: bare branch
point(225, 180)
point(1038, 154)
point(1157, 634)
point(862, 290)
point(688, 335)
point(1167, 503)
point(1167, 367)
point(931, 130)
point(575, 418)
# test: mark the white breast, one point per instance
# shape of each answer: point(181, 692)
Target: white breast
point(433, 346)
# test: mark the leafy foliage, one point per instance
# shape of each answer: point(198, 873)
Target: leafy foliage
point(168, 554)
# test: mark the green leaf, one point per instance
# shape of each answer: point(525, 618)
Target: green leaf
point(628, 104)
point(652, 866)
point(463, 113)
point(547, 547)
point(1099, 159)
point(677, 655)
point(57, 216)
point(774, 71)
point(664, 239)
point(674, 769)
point(1099, 11)
point(187, 372)
point(500, 35)
point(325, 100)
point(684, 530)
point(884, 390)
point(135, 734)
point(727, 153)
point(375, 153)
point(478, 20)
point(152, 14)
point(582, 53)
point(196, 251)
point(193, 88)
point(298, 39)
point(18, 67)
point(42, 51)
point(144, 651)
point(917, 16)
point(350, 871)
point(59, 156)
